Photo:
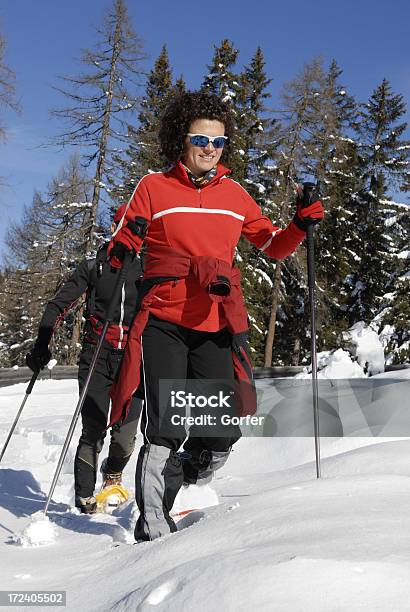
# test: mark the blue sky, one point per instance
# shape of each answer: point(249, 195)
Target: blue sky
point(368, 38)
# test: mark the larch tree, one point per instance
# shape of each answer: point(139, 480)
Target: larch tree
point(299, 112)
point(101, 100)
point(7, 86)
point(143, 153)
point(331, 157)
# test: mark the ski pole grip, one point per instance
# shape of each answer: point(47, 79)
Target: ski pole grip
point(31, 383)
point(311, 256)
point(118, 287)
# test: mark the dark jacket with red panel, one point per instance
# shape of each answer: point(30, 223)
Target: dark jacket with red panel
point(97, 279)
point(202, 227)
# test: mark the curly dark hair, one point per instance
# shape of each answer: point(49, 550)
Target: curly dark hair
point(185, 108)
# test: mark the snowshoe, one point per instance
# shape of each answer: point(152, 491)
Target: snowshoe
point(112, 493)
point(110, 497)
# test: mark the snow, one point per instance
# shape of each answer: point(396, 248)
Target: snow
point(279, 539)
point(337, 364)
point(369, 350)
point(262, 274)
point(364, 357)
point(40, 532)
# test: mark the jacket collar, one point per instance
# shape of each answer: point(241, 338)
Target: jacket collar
point(178, 171)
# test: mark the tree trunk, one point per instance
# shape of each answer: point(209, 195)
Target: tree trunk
point(272, 320)
point(296, 352)
point(99, 172)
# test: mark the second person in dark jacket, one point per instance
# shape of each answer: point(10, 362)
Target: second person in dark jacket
point(97, 279)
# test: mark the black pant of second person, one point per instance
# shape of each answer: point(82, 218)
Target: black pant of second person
point(174, 352)
point(94, 421)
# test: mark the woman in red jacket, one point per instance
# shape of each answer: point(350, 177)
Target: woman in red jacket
point(191, 218)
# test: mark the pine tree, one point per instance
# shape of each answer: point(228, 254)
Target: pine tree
point(225, 83)
point(260, 141)
point(101, 101)
point(393, 320)
point(385, 164)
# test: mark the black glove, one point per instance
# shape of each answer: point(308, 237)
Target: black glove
point(309, 208)
point(38, 357)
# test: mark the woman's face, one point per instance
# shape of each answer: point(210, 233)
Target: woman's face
point(202, 159)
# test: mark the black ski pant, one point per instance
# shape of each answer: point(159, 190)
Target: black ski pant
point(170, 351)
point(94, 420)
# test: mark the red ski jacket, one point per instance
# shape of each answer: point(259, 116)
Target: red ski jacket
point(198, 222)
point(192, 236)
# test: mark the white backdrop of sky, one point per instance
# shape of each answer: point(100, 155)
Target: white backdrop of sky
point(368, 38)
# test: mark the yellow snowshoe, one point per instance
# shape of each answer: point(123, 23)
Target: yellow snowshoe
point(110, 497)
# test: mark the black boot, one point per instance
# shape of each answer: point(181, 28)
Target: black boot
point(193, 465)
point(86, 505)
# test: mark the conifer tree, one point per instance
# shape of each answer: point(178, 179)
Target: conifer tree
point(394, 318)
point(101, 101)
point(260, 137)
point(43, 249)
point(225, 83)
point(7, 86)
point(143, 152)
point(332, 158)
point(299, 112)
point(385, 164)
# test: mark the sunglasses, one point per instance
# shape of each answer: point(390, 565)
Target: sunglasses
point(201, 140)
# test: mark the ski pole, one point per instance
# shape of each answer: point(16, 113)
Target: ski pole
point(28, 391)
point(108, 320)
point(307, 191)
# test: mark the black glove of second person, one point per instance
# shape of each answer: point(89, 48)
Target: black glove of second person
point(38, 357)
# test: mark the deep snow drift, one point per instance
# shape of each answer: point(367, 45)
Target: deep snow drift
point(278, 540)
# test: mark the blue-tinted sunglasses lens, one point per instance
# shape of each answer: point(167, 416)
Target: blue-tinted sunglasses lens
point(199, 141)
point(219, 143)
point(203, 141)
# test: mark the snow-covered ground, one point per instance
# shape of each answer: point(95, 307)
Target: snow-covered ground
point(279, 540)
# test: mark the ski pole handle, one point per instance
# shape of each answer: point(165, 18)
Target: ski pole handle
point(310, 193)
